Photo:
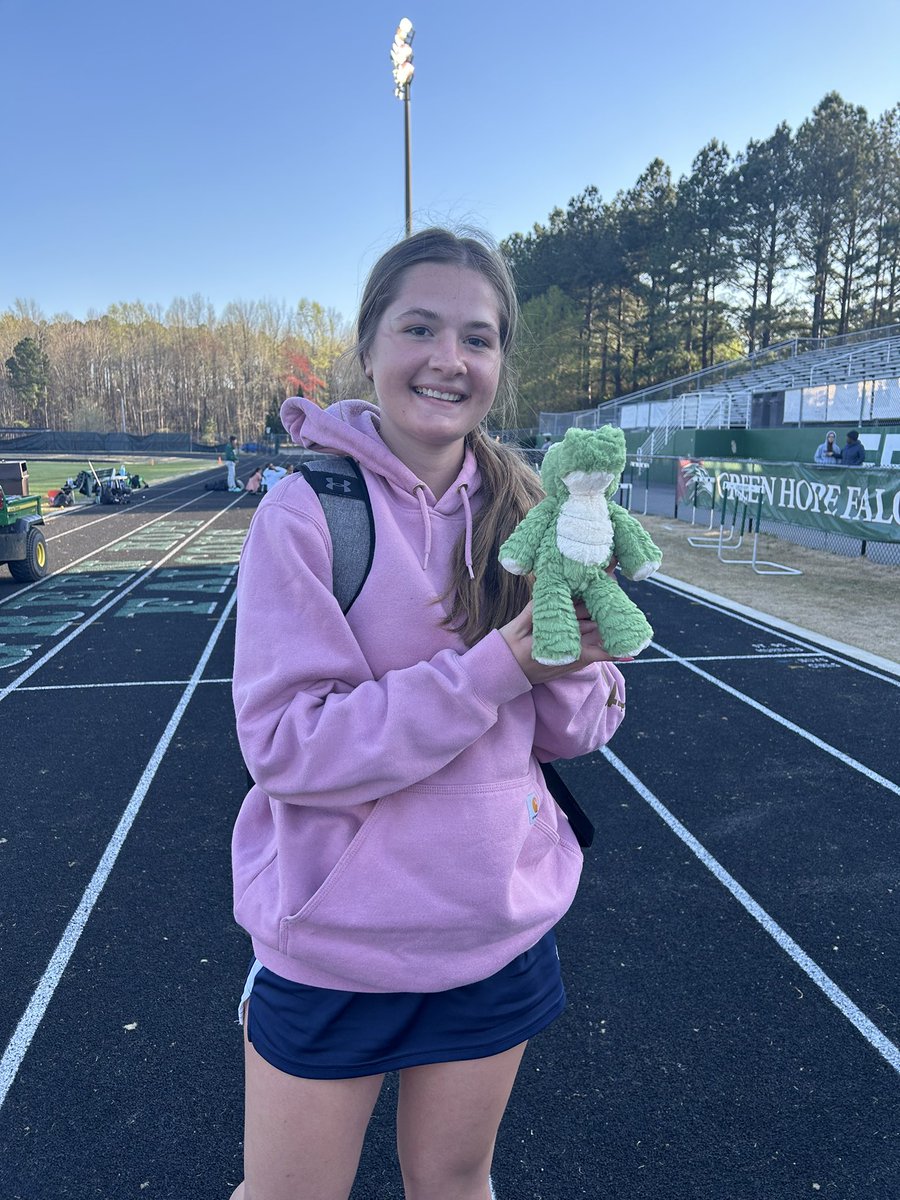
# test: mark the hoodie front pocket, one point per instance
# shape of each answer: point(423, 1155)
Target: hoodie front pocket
point(333, 878)
point(452, 867)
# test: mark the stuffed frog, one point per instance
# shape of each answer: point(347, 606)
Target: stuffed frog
point(568, 541)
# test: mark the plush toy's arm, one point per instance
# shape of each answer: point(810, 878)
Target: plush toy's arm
point(519, 551)
point(636, 551)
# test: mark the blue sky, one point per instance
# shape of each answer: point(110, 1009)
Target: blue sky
point(255, 150)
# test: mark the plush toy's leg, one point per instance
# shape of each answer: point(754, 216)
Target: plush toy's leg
point(624, 629)
point(557, 639)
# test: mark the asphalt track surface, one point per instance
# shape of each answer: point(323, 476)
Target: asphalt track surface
point(731, 960)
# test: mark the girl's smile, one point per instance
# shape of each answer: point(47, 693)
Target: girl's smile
point(451, 397)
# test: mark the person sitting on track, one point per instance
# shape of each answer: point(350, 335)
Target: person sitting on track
point(271, 475)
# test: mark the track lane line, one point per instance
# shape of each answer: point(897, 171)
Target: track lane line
point(54, 515)
point(778, 655)
point(106, 545)
point(847, 656)
point(873, 1035)
point(884, 782)
point(62, 515)
point(49, 981)
point(85, 624)
point(88, 687)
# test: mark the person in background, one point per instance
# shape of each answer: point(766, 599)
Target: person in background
point(64, 498)
point(254, 483)
point(828, 454)
point(271, 475)
point(231, 457)
point(854, 452)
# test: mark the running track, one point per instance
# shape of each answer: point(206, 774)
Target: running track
point(731, 959)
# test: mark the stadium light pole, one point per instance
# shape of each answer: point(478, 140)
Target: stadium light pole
point(402, 58)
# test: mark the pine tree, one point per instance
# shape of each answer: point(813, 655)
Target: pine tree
point(766, 196)
point(28, 370)
point(830, 159)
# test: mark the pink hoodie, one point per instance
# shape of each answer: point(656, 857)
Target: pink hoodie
point(399, 836)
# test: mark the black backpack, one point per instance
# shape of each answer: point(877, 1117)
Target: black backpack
point(342, 492)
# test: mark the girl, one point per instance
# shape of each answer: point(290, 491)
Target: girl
point(254, 483)
point(399, 863)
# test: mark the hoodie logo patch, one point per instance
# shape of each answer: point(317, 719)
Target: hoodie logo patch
point(532, 807)
point(337, 485)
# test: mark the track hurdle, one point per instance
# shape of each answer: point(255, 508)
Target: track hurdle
point(716, 540)
point(759, 566)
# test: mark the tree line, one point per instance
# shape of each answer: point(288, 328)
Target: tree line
point(185, 369)
point(797, 235)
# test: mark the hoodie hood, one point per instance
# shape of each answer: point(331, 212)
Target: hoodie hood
point(352, 427)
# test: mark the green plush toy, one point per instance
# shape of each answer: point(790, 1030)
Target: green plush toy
point(569, 539)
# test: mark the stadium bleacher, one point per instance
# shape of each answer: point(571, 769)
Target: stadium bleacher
point(722, 396)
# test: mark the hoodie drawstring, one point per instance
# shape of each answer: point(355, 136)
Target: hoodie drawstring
point(463, 490)
point(426, 520)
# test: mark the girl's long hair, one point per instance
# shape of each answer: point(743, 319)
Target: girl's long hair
point(510, 487)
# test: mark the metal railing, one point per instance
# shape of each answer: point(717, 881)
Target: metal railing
point(700, 411)
point(725, 373)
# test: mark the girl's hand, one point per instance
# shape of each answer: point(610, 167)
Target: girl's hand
point(518, 636)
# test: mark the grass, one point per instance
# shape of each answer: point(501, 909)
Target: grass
point(47, 474)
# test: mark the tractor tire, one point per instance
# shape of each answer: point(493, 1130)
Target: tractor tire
point(34, 565)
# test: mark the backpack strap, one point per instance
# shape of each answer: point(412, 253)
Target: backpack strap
point(580, 822)
point(342, 492)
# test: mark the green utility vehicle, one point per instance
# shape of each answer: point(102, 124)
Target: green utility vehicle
point(22, 544)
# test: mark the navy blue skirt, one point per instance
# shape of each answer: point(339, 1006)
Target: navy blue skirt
point(320, 1033)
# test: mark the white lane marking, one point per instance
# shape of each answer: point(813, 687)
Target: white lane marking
point(82, 687)
point(62, 514)
point(760, 620)
point(840, 999)
point(43, 993)
point(99, 549)
point(79, 629)
point(736, 657)
point(774, 716)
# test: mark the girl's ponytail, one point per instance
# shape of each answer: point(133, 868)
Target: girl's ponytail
point(510, 488)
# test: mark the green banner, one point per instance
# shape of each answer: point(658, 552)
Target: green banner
point(862, 502)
